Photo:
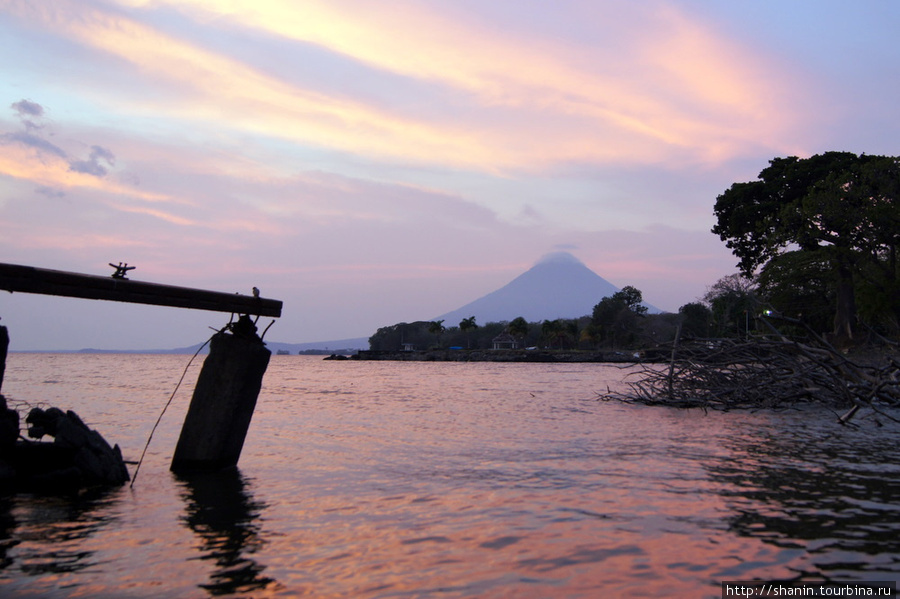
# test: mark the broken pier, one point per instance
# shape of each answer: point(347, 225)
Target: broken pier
point(229, 383)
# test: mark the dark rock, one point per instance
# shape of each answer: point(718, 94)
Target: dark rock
point(9, 427)
point(77, 457)
point(9, 433)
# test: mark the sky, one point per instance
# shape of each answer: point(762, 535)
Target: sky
point(374, 162)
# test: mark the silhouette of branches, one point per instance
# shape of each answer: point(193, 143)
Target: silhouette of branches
point(770, 371)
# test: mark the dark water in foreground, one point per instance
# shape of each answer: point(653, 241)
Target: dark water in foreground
point(382, 479)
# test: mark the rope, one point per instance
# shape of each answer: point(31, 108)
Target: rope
point(166, 407)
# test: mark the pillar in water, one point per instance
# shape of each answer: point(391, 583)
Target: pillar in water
point(224, 399)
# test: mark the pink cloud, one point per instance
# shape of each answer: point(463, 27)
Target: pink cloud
point(689, 93)
point(369, 166)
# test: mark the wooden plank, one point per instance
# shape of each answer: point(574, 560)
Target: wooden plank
point(28, 279)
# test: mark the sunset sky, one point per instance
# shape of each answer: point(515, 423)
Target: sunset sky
point(371, 162)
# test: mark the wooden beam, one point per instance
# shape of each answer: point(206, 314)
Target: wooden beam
point(28, 279)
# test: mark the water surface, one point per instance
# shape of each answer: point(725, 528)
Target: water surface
point(406, 479)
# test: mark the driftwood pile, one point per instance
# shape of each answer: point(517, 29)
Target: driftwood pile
point(764, 372)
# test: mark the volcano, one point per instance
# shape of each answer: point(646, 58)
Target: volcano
point(559, 285)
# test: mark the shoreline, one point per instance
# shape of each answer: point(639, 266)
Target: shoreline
point(503, 355)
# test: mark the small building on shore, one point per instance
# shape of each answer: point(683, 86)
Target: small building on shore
point(504, 341)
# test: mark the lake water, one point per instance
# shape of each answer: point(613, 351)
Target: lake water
point(405, 479)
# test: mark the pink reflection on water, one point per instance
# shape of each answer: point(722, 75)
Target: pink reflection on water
point(462, 480)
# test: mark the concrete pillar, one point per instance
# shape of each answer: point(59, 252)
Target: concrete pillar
point(224, 399)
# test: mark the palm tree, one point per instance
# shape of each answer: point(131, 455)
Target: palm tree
point(559, 331)
point(552, 330)
point(465, 325)
point(571, 331)
point(437, 328)
point(518, 328)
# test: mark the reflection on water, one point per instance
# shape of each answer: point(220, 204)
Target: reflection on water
point(381, 480)
point(7, 526)
point(221, 511)
point(831, 493)
point(45, 535)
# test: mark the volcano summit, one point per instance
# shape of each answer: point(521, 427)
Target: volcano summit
point(559, 285)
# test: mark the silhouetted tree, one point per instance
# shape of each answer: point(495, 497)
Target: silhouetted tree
point(518, 327)
point(696, 319)
point(553, 332)
point(437, 329)
point(615, 319)
point(843, 208)
point(466, 325)
point(732, 300)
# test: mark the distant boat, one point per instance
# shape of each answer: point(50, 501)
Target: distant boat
point(282, 352)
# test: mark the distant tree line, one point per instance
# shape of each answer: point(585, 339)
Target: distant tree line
point(619, 321)
point(817, 241)
point(729, 308)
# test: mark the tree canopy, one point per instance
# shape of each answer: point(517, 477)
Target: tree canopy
point(838, 209)
point(618, 321)
point(615, 319)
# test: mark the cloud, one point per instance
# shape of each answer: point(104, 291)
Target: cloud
point(27, 108)
point(28, 155)
point(503, 100)
point(92, 165)
point(49, 192)
point(24, 109)
point(370, 165)
point(688, 88)
point(32, 141)
point(47, 167)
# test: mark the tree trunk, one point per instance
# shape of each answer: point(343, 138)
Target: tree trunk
point(845, 310)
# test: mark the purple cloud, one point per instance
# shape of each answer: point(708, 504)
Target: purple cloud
point(26, 108)
point(27, 112)
point(32, 141)
point(92, 165)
